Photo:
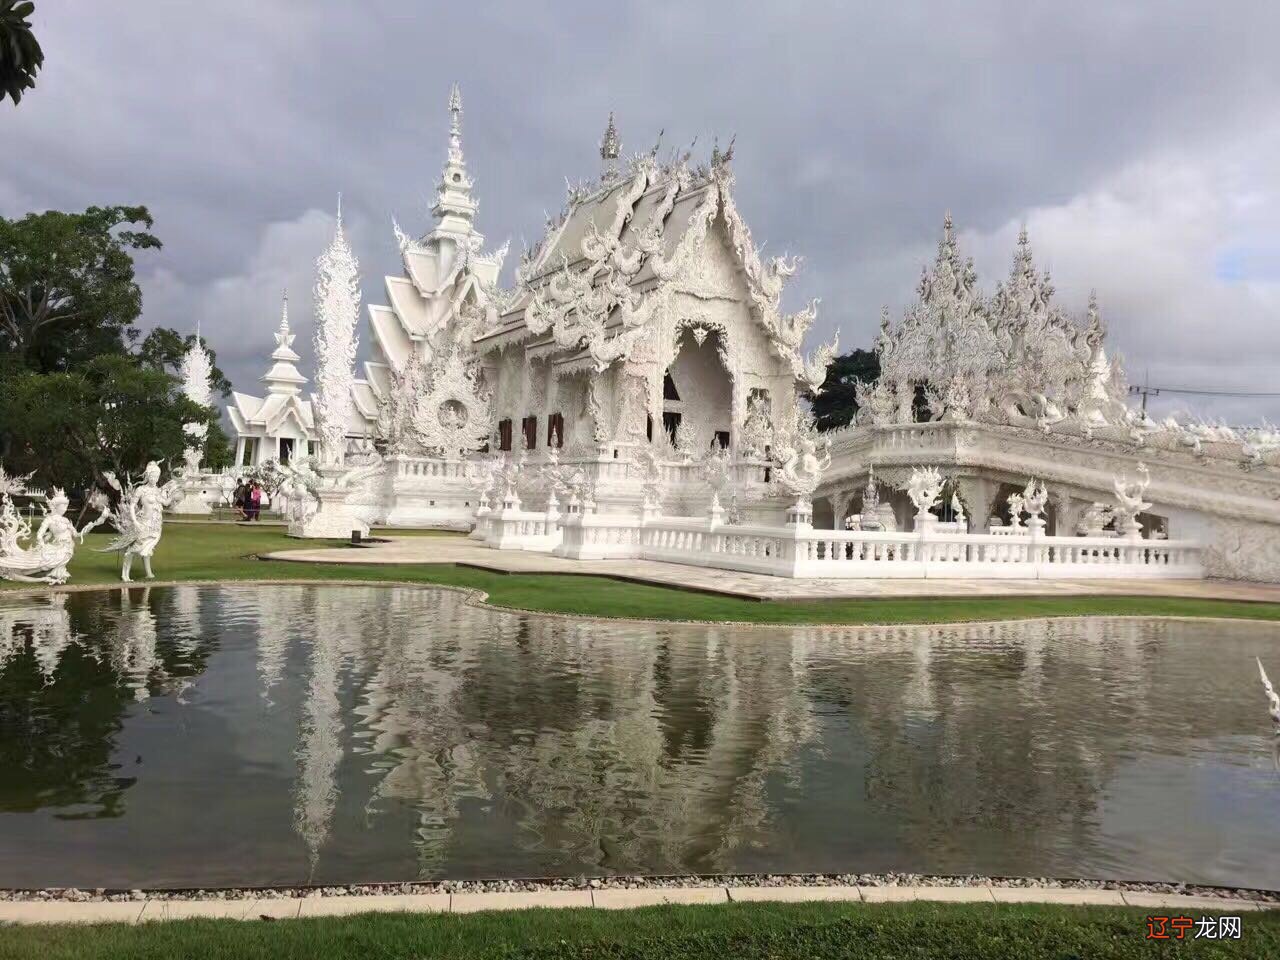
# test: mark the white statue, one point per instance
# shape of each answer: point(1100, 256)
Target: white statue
point(45, 559)
point(957, 508)
point(1094, 520)
point(870, 518)
point(756, 435)
point(1273, 699)
point(686, 440)
point(140, 518)
point(1129, 502)
point(1016, 505)
point(716, 473)
point(801, 465)
point(298, 484)
point(1034, 498)
point(924, 488)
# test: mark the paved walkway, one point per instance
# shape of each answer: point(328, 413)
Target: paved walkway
point(286, 908)
point(460, 550)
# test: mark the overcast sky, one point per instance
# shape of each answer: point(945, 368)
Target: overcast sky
point(1138, 142)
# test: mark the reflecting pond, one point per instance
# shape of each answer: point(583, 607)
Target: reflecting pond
point(209, 736)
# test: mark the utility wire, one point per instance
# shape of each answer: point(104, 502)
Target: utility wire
point(1203, 393)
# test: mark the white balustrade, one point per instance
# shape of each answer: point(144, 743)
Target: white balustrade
point(806, 552)
point(515, 529)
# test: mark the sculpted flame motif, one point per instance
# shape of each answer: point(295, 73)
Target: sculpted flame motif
point(925, 488)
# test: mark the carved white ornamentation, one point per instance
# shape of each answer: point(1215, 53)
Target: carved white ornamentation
point(139, 517)
point(45, 557)
point(337, 301)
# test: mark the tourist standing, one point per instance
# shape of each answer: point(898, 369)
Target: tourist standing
point(255, 500)
point(240, 498)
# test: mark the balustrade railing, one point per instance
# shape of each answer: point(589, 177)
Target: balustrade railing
point(806, 552)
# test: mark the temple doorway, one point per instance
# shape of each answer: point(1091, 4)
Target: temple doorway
point(697, 394)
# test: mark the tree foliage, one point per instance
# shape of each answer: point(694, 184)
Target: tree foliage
point(112, 414)
point(67, 287)
point(20, 53)
point(78, 394)
point(837, 402)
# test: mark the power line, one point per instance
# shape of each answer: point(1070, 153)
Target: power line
point(1155, 391)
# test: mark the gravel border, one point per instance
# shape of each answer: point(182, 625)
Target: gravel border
point(103, 895)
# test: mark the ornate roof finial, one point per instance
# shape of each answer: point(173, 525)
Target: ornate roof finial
point(454, 208)
point(283, 377)
point(610, 148)
point(947, 245)
point(284, 314)
point(455, 125)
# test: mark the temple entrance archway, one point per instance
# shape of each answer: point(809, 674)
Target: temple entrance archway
point(697, 395)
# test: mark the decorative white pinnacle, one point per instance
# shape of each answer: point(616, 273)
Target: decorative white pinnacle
point(337, 300)
point(455, 125)
point(454, 208)
point(197, 374)
point(283, 377)
point(610, 147)
point(283, 337)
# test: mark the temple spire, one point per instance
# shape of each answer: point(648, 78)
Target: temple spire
point(610, 149)
point(455, 126)
point(454, 209)
point(283, 377)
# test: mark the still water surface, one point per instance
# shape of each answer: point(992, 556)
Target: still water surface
point(207, 736)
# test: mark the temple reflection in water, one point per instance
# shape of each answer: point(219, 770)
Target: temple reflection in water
point(405, 720)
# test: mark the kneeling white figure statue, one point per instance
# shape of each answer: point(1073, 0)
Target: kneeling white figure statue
point(45, 559)
point(140, 519)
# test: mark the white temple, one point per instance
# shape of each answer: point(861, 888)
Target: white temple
point(636, 393)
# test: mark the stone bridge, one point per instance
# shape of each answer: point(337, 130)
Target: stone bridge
point(1217, 496)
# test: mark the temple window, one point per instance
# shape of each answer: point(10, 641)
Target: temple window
point(529, 425)
point(555, 430)
point(722, 438)
point(286, 449)
point(250, 452)
point(669, 391)
point(504, 435)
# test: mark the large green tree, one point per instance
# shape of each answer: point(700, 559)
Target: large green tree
point(20, 53)
point(111, 414)
point(67, 287)
point(835, 405)
point(78, 394)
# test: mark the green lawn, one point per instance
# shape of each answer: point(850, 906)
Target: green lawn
point(191, 551)
point(737, 931)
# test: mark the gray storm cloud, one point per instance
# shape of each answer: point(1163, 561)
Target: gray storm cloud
point(1137, 142)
